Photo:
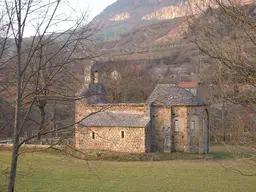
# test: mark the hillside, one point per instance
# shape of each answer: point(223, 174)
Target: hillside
point(157, 40)
point(125, 15)
point(148, 29)
point(153, 38)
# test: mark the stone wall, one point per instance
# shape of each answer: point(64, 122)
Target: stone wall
point(160, 119)
point(149, 139)
point(200, 116)
point(194, 129)
point(110, 138)
point(83, 108)
point(186, 138)
point(132, 108)
point(180, 138)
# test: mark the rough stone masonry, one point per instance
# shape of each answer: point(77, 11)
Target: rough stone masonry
point(172, 119)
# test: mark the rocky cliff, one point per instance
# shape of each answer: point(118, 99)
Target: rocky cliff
point(139, 10)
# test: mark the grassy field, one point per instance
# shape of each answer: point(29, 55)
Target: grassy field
point(48, 172)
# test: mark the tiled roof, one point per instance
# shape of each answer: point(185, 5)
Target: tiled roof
point(115, 119)
point(170, 94)
point(188, 84)
point(109, 105)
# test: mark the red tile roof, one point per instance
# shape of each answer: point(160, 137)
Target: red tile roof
point(138, 67)
point(192, 84)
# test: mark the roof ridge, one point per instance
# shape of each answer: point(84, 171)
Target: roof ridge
point(172, 94)
point(171, 84)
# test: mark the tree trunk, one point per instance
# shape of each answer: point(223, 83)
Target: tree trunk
point(17, 120)
point(13, 169)
point(42, 121)
point(17, 128)
point(16, 135)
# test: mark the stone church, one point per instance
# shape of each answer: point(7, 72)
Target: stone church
point(172, 119)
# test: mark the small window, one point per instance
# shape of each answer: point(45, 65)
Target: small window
point(176, 126)
point(96, 77)
point(193, 125)
point(122, 134)
point(93, 135)
point(25, 135)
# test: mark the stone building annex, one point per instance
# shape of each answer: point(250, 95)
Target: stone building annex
point(172, 119)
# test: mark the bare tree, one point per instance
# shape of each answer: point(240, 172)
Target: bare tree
point(225, 32)
point(127, 83)
point(42, 63)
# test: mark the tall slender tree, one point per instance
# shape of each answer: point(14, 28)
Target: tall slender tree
point(40, 59)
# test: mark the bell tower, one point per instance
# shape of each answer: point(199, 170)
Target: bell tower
point(94, 90)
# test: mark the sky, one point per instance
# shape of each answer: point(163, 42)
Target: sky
point(69, 10)
point(95, 6)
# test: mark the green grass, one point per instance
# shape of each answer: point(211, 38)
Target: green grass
point(49, 172)
point(231, 152)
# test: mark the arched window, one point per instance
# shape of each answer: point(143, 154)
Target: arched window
point(193, 126)
point(176, 126)
point(203, 125)
point(95, 77)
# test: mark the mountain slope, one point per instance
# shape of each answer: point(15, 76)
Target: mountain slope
point(125, 15)
point(135, 9)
